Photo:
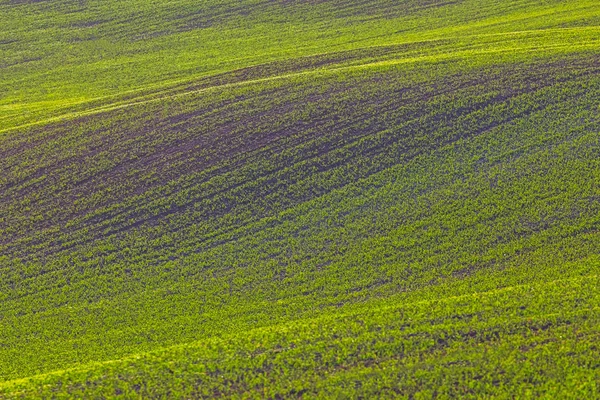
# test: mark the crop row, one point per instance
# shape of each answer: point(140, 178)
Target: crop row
point(364, 185)
point(528, 340)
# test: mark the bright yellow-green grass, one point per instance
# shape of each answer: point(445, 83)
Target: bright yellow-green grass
point(59, 55)
point(299, 199)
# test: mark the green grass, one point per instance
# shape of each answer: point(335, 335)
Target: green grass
point(485, 343)
point(299, 199)
point(63, 55)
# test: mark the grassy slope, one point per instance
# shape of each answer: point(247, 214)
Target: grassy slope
point(57, 55)
point(389, 198)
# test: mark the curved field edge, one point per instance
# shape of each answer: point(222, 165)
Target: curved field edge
point(73, 57)
point(509, 46)
point(481, 344)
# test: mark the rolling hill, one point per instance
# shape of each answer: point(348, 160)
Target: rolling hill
point(299, 199)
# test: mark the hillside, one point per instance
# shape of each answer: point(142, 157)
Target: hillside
point(299, 199)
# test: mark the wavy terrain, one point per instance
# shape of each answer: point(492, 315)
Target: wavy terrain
point(299, 199)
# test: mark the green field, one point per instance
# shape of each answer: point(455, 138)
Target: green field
point(300, 199)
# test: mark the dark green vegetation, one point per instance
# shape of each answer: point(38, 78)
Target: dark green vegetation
point(300, 199)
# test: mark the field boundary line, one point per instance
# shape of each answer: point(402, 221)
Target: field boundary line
point(292, 324)
point(160, 95)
